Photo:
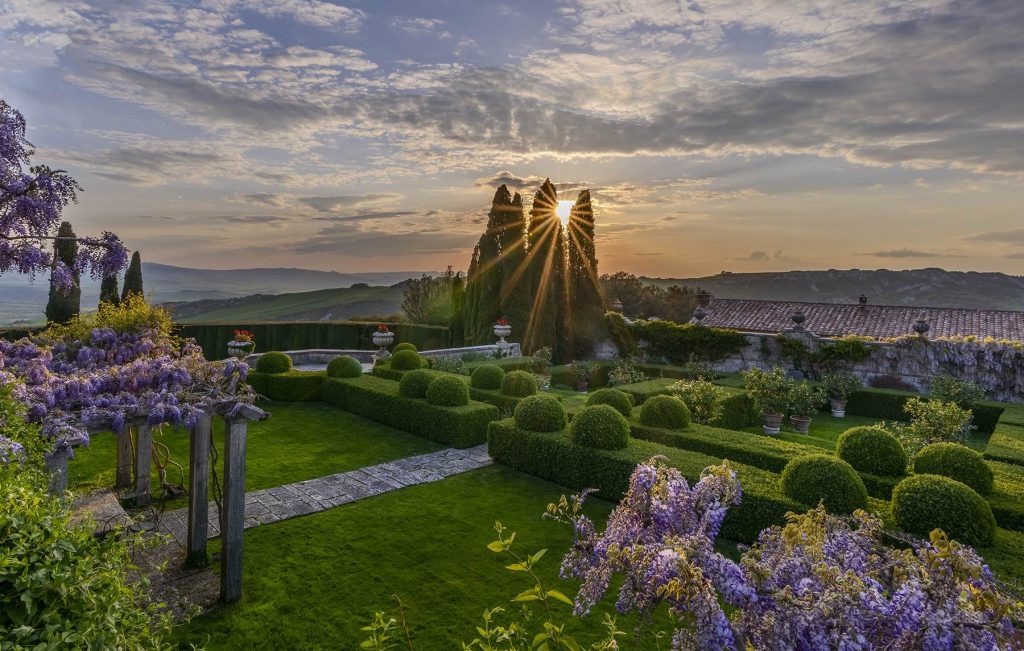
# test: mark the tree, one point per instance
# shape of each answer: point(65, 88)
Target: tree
point(65, 302)
point(584, 300)
point(32, 200)
point(545, 273)
point(645, 300)
point(133, 278)
point(430, 300)
point(108, 290)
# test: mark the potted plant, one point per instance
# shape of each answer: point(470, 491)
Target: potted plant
point(242, 344)
point(838, 387)
point(581, 371)
point(502, 329)
point(770, 392)
point(382, 339)
point(804, 401)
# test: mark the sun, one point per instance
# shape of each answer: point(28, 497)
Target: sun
point(563, 210)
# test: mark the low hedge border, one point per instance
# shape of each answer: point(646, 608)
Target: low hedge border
point(506, 363)
point(291, 386)
point(494, 397)
point(377, 399)
point(1007, 496)
point(737, 407)
point(888, 404)
point(1006, 444)
point(553, 456)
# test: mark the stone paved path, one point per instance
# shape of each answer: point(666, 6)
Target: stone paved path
point(312, 495)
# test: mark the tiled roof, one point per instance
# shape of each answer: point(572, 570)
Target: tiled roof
point(878, 321)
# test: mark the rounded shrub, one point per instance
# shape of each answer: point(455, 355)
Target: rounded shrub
point(406, 360)
point(668, 412)
point(519, 384)
point(405, 345)
point(621, 401)
point(540, 413)
point(488, 376)
point(448, 391)
point(957, 462)
point(414, 383)
point(344, 366)
point(922, 503)
point(872, 450)
point(601, 427)
point(274, 362)
point(824, 478)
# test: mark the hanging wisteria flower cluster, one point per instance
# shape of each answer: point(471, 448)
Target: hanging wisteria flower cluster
point(820, 582)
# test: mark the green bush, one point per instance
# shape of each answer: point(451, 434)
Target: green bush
point(872, 450)
point(957, 462)
point(273, 362)
point(406, 360)
point(1006, 444)
point(883, 404)
point(737, 412)
point(922, 503)
point(519, 384)
point(344, 366)
point(448, 391)
point(600, 427)
point(506, 404)
point(986, 416)
point(951, 389)
point(620, 401)
point(642, 391)
point(405, 345)
point(414, 383)
point(825, 478)
point(290, 386)
point(703, 399)
point(540, 413)
point(667, 412)
point(681, 342)
point(768, 389)
point(488, 376)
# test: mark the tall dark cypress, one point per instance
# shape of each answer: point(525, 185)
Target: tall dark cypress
point(108, 290)
point(516, 292)
point(64, 304)
point(133, 278)
point(546, 274)
point(585, 303)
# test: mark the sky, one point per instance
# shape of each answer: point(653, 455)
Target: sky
point(740, 135)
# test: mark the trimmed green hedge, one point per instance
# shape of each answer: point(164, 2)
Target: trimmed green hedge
point(414, 383)
point(519, 384)
point(621, 401)
point(273, 362)
point(922, 503)
point(344, 366)
point(447, 391)
point(292, 386)
point(504, 363)
point(641, 392)
point(668, 412)
point(883, 404)
point(873, 450)
point(540, 413)
point(1007, 496)
point(737, 411)
point(554, 457)
point(827, 478)
point(405, 360)
point(496, 398)
point(378, 400)
point(1006, 444)
point(598, 377)
point(601, 427)
point(487, 376)
point(986, 416)
point(957, 462)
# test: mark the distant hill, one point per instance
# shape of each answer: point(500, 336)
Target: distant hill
point(919, 287)
point(321, 305)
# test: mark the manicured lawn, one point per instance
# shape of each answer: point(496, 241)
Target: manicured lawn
point(825, 429)
point(313, 581)
point(299, 441)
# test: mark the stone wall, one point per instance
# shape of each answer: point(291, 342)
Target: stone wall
point(323, 356)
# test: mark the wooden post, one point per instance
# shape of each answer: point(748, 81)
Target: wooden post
point(143, 450)
point(199, 492)
point(123, 478)
point(57, 466)
point(232, 519)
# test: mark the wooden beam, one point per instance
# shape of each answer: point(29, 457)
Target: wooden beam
point(143, 451)
point(232, 519)
point(199, 492)
point(57, 466)
point(123, 478)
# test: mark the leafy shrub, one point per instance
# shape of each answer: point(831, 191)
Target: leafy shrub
point(406, 360)
point(540, 413)
point(872, 450)
point(448, 391)
point(622, 402)
point(581, 370)
point(839, 386)
point(823, 477)
point(405, 345)
point(891, 382)
point(414, 383)
point(957, 462)
point(677, 342)
point(950, 389)
point(274, 362)
point(804, 399)
point(541, 360)
point(292, 386)
point(487, 376)
point(519, 384)
point(922, 503)
point(768, 389)
point(624, 372)
point(695, 369)
point(344, 366)
point(667, 412)
point(931, 421)
point(600, 427)
point(449, 364)
point(703, 399)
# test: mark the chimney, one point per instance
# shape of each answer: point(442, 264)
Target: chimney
point(863, 301)
point(703, 298)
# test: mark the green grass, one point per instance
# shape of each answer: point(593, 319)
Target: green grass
point(825, 429)
point(314, 581)
point(299, 441)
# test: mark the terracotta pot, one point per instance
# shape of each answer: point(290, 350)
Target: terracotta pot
point(801, 424)
point(838, 408)
point(581, 387)
point(771, 423)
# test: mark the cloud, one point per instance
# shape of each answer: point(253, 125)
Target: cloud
point(911, 253)
point(756, 256)
point(1012, 236)
point(271, 221)
point(648, 253)
point(513, 181)
point(347, 202)
point(762, 256)
point(261, 198)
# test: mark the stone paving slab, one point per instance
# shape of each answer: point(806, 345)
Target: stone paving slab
point(313, 495)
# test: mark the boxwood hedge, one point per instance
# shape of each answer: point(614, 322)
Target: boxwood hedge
point(291, 386)
point(922, 503)
point(621, 401)
point(1006, 444)
point(344, 366)
point(957, 462)
point(273, 362)
point(827, 478)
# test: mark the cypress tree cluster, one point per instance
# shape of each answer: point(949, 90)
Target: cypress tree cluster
point(133, 278)
point(63, 305)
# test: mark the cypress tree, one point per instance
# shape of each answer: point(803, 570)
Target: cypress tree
point(133, 278)
point(516, 292)
point(471, 299)
point(108, 290)
point(64, 305)
point(585, 304)
point(546, 274)
point(487, 277)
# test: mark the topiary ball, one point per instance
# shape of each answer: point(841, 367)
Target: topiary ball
point(519, 384)
point(872, 450)
point(922, 503)
point(344, 366)
point(824, 478)
point(448, 391)
point(600, 427)
point(620, 400)
point(540, 413)
point(274, 362)
point(667, 412)
point(488, 376)
point(414, 383)
point(957, 462)
point(405, 345)
point(406, 360)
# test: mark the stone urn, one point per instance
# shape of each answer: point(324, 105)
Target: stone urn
point(771, 424)
point(801, 424)
point(240, 349)
point(838, 407)
point(383, 339)
point(502, 330)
